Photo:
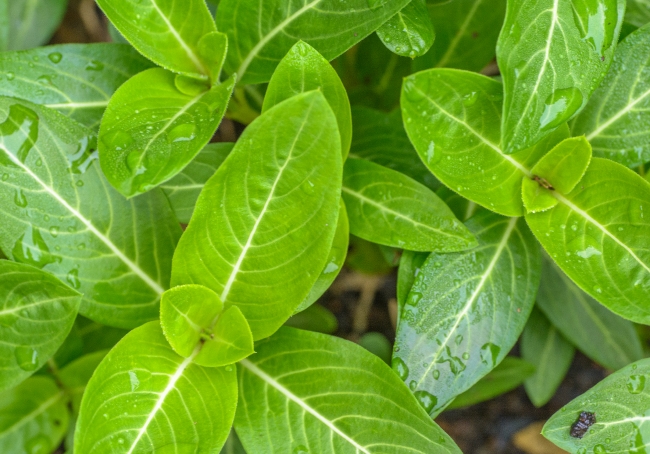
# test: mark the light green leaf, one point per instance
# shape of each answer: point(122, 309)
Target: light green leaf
point(183, 190)
point(620, 404)
point(304, 69)
point(408, 33)
point(387, 207)
point(453, 119)
point(75, 79)
point(33, 22)
point(410, 265)
point(178, 35)
point(637, 12)
point(60, 214)
point(193, 316)
point(36, 315)
point(335, 260)
point(537, 49)
point(4, 25)
point(509, 374)
point(75, 376)
point(315, 318)
point(33, 417)
point(261, 32)
point(466, 310)
point(615, 120)
point(155, 124)
point(264, 223)
point(380, 137)
point(466, 34)
point(598, 234)
point(606, 338)
point(330, 396)
point(459, 205)
point(143, 397)
point(543, 346)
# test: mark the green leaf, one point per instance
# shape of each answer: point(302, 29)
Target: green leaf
point(561, 169)
point(378, 345)
point(453, 119)
point(304, 69)
point(380, 137)
point(276, 193)
point(366, 257)
point(143, 397)
point(466, 310)
point(4, 25)
point(261, 33)
point(410, 265)
point(75, 79)
point(37, 314)
point(315, 318)
point(33, 22)
point(33, 417)
point(620, 404)
point(509, 374)
point(537, 49)
point(543, 346)
point(615, 119)
point(179, 36)
point(96, 337)
point(637, 12)
point(466, 34)
point(597, 234)
point(459, 205)
point(183, 190)
point(606, 338)
point(233, 445)
point(75, 376)
point(389, 208)
point(332, 396)
point(192, 316)
point(155, 124)
point(335, 260)
point(408, 33)
point(61, 215)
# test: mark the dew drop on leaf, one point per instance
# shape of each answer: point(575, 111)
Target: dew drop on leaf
point(636, 384)
point(401, 368)
point(426, 399)
point(27, 358)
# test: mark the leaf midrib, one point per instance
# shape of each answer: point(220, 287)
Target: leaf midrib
point(38, 410)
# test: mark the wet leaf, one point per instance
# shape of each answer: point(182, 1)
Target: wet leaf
point(637, 12)
point(410, 32)
point(32, 23)
point(75, 376)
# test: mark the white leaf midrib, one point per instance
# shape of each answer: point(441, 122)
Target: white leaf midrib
point(617, 116)
point(301, 403)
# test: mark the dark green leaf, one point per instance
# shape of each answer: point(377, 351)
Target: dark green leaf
point(36, 315)
point(378, 345)
point(410, 265)
point(96, 337)
point(143, 397)
point(410, 32)
point(332, 396)
point(366, 257)
point(261, 32)
point(466, 310)
point(315, 318)
point(33, 22)
point(276, 193)
point(154, 125)
point(75, 79)
point(75, 376)
point(60, 214)
point(637, 12)
point(543, 346)
point(387, 207)
point(459, 205)
point(537, 50)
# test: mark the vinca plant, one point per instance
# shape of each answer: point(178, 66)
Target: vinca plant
point(157, 284)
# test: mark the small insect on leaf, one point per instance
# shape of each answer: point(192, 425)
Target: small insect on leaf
point(582, 425)
point(543, 183)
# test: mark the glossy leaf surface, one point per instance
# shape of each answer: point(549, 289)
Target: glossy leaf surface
point(192, 317)
point(466, 34)
point(387, 207)
point(606, 338)
point(143, 397)
point(75, 79)
point(154, 125)
point(33, 417)
point(510, 373)
point(410, 265)
point(536, 51)
point(616, 120)
point(620, 403)
point(408, 33)
point(261, 32)
point(60, 214)
point(332, 396)
point(453, 119)
point(543, 346)
point(32, 23)
point(177, 35)
point(466, 310)
point(183, 190)
point(304, 69)
point(598, 234)
point(36, 315)
point(286, 170)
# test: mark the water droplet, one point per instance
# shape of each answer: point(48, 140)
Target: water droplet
point(401, 368)
point(636, 384)
point(73, 278)
point(470, 99)
point(84, 156)
point(11, 76)
point(490, 354)
point(79, 183)
point(81, 246)
point(414, 298)
point(133, 379)
point(38, 445)
point(54, 231)
point(55, 57)
point(598, 289)
point(300, 449)
point(19, 133)
point(459, 339)
point(594, 19)
point(95, 65)
point(20, 199)
point(27, 358)
point(5, 176)
point(228, 368)
point(307, 187)
point(426, 399)
point(599, 449)
point(413, 385)
point(559, 107)
point(589, 252)
point(31, 248)
point(182, 133)
point(465, 356)
point(436, 374)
